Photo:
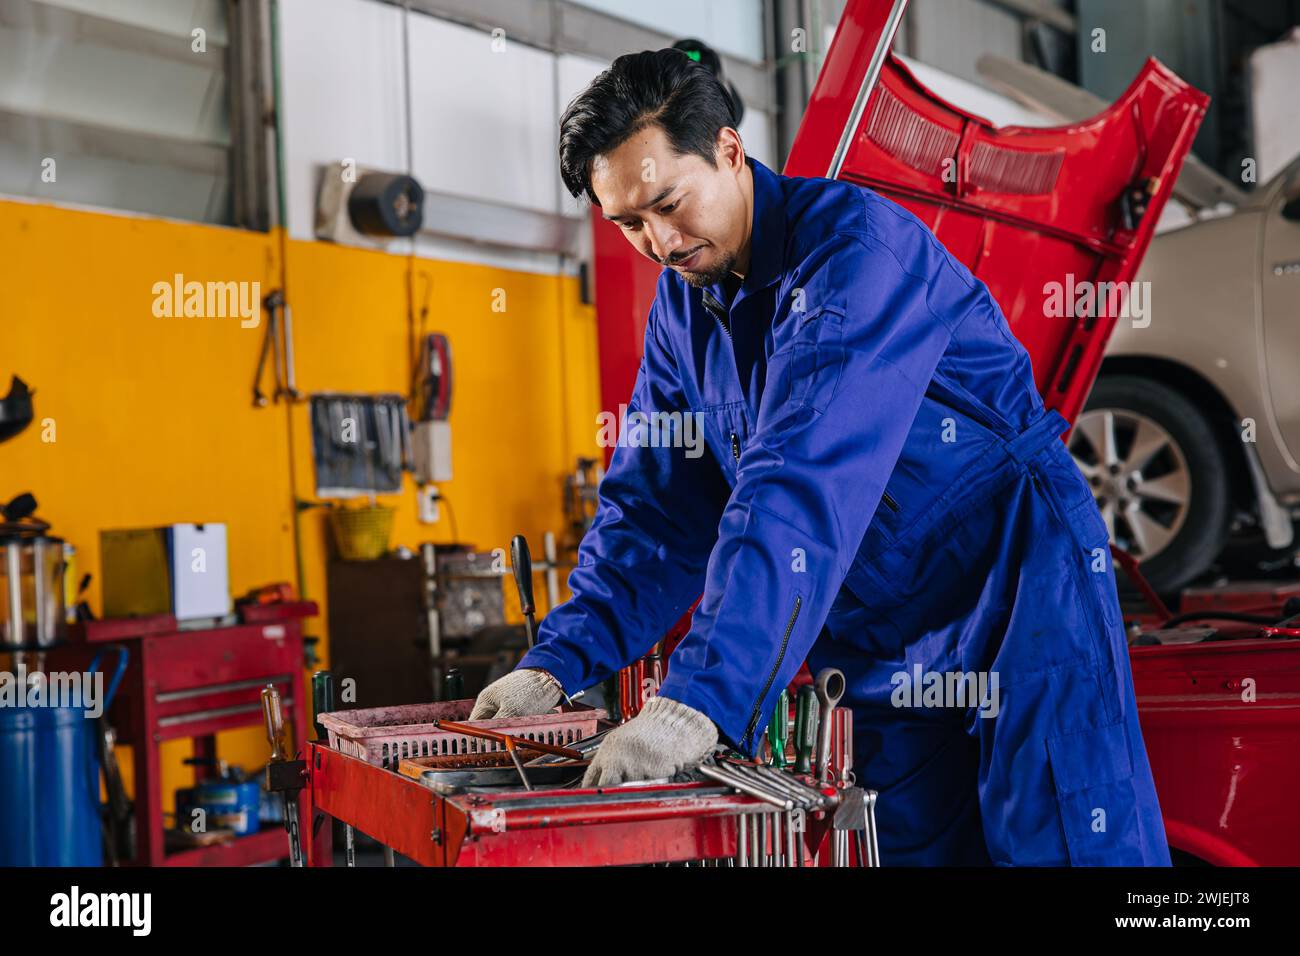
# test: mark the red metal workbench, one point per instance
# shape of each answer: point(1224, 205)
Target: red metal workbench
point(506, 829)
point(195, 684)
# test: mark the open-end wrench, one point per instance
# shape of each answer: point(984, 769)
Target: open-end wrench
point(807, 797)
point(745, 786)
point(789, 840)
point(873, 848)
point(775, 782)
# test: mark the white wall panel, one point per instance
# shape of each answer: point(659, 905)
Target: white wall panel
point(729, 26)
point(341, 82)
point(484, 121)
point(574, 74)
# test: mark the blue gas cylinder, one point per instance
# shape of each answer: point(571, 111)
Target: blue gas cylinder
point(49, 783)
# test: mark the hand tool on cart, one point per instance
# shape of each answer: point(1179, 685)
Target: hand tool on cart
point(521, 563)
point(841, 767)
point(506, 740)
point(830, 688)
point(510, 742)
point(283, 774)
point(322, 702)
point(856, 814)
point(585, 747)
point(791, 796)
point(778, 731)
point(806, 710)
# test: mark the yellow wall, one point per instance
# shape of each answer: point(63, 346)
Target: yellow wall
point(153, 421)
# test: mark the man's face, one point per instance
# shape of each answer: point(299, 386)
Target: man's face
point(680, 211)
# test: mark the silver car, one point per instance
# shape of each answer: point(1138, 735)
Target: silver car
point(1191, 436)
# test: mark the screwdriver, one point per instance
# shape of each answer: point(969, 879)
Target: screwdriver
point(322, 699)
point(805, 728)
point(521, 562)
point(276, 735)
point(778, 731)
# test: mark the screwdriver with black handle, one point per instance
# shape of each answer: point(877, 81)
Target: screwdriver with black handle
point(806, 709)
point(521, 562)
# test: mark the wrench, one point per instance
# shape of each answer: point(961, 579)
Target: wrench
point(830, 688)
point(259, 399)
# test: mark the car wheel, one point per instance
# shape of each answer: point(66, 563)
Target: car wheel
point(1158, 475)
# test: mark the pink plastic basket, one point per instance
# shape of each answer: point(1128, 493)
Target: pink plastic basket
point(385, 736)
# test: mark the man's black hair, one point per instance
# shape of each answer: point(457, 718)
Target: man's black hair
point(662, 87)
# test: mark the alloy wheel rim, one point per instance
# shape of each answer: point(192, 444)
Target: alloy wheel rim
point(1138, 475)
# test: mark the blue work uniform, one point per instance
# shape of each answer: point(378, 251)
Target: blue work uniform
point(882, 491)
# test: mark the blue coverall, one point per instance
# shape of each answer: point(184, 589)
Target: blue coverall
point(884, 493)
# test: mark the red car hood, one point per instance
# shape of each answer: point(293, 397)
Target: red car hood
point(1044, 216)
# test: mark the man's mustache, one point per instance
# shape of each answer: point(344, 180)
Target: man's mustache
point(677, 257)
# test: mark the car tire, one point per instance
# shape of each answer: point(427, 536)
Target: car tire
point(1191, 466)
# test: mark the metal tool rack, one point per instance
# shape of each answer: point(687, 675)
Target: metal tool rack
point(651, 824)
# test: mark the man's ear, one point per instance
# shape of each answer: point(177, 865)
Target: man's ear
point(730, 151)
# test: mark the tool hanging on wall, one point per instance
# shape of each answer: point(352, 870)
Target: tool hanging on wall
point(360, 444)
point(277, 344)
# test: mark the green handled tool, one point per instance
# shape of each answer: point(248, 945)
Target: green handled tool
point(778, 731)
point(322, 699)
point(805, 728)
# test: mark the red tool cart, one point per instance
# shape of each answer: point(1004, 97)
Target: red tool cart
point(374, 777)
point(194, 684)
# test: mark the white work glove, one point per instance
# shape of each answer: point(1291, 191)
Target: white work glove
point(525, 692)
point(666, 737)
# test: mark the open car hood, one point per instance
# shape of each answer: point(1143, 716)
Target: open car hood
point(1024, 208)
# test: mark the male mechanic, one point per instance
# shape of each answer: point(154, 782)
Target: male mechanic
point(883, 493)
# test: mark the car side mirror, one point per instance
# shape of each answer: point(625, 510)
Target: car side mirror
point(1291, 209)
